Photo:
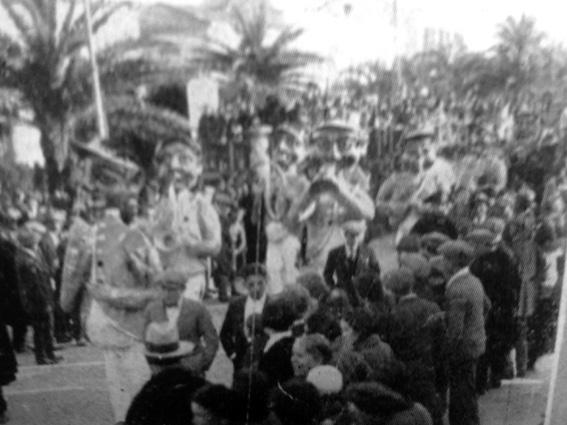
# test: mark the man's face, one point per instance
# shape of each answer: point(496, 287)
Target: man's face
point(256, 286)
point(179, 165)
point(171, 294)
point(301, 361)
point(351, 238)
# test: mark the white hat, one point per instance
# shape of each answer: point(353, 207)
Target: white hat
point(163, 344)
point(327, 379)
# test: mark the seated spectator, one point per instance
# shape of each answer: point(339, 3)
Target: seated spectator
point(296, 402)
point(308, 352)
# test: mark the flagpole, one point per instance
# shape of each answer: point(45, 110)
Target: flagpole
point(101, 118)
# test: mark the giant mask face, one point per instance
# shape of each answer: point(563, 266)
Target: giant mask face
point(336, 144)
point(178, 165)
point(287, 147)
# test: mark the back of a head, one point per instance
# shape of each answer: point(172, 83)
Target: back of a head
point(165, 399)
point(318, 346)
point(279, 314)
point(315, 285)
point(296, 402)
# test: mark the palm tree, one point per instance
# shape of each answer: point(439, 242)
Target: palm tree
point(519, 44)
point(46, 56)
point(256, 63)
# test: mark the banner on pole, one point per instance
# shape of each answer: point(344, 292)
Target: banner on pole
point(202, 96)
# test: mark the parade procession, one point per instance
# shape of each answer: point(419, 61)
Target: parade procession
point(232, 212)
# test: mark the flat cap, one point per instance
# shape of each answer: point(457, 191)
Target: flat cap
point(495, 225)
point(480, 237)
point(453, 249)
point(399, 280)
point(417, 263)
point(408, 243)
point(433, 240)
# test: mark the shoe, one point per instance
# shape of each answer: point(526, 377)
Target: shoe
point(54, 360)
point(42, 362)
point(80, 343)
point(4, 418)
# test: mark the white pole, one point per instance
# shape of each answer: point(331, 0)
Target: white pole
point(101, 118)
point(556, 410)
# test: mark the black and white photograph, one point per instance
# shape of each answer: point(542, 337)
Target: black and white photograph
point(283, 212)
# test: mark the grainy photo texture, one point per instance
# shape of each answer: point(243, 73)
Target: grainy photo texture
point(283, 212)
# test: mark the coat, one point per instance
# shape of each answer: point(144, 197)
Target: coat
point(34, 286)
point(11, 308)
point(466, 307)
point(232, 337)
point(8, 365)
point(377, 354)
point(276, 361)
point(340, 271)
point(412, 332)
point(195, 325)
point(501, 280)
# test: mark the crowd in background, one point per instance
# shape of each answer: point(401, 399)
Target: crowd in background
point(476, 280)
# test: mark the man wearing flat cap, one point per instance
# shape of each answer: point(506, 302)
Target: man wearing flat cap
point(466, 307)
point(191, 319)
point(351, 259)
point(500, 277)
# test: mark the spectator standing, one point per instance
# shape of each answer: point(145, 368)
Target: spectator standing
point(467, 306)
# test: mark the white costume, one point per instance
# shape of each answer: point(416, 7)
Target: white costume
point(188, 218)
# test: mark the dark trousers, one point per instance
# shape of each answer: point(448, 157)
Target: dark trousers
point(3, 404)
point(42, 339)
point(19, 331)
point(463, 402)
point(493, 360)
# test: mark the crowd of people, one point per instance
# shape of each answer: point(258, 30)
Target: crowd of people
point(319, 328)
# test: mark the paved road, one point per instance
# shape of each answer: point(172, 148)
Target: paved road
point(74, 392)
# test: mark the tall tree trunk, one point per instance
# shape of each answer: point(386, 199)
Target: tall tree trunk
point(51, 165)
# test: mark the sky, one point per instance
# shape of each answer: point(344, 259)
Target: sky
point(365, 30)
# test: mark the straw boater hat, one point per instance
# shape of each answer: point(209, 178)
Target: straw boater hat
point(163, 345)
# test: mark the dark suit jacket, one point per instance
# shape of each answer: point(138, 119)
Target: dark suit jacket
point(340, 270)
point(47, 251)
point(34, 286)
point(195, 325)
point(232, 337)
point(276, 362)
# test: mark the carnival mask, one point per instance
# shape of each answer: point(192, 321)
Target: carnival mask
point(179, 165)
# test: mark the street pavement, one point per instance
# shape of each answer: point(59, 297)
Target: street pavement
point(74, 392)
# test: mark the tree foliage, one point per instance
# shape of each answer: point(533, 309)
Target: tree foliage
point(256, 61)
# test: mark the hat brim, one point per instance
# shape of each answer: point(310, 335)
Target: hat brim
point(185, 348)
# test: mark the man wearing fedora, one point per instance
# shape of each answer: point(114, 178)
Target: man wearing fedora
point(191, 319)
point(349, 260)
point(466, 307)
point(164, 349)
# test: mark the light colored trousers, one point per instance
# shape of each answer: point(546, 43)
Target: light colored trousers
point(126, 373)
point(195, 287)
